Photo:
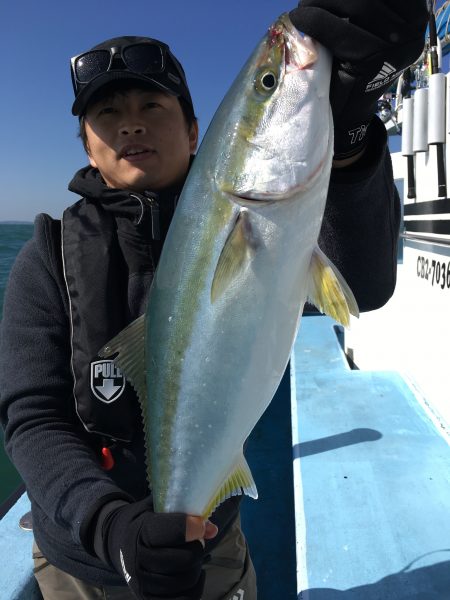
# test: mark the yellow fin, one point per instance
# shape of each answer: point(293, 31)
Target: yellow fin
point(329, 291)
point(129, 346)
point(240, 481)
point(235, 255)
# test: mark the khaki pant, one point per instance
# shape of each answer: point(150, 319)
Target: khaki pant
point(229, 576)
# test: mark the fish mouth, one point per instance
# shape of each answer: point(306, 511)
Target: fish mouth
point(300, 51)
point(284, 22)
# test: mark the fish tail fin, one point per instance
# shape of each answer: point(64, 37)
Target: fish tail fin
point(329, 291)
point(240, 481)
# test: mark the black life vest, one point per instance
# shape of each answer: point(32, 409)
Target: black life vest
point(110, 250)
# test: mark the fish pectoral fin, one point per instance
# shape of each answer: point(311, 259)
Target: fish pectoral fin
point(240, 481)
point(235, 256)
point(329, 291)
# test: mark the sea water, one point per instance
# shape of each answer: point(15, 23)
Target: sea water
point(12, 237)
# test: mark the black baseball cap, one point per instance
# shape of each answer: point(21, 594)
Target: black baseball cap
point(144, 60)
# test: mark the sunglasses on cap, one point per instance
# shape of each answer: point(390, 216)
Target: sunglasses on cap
point(141, 58)
point(150, 61)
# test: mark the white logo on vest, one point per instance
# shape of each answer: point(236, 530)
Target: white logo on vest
point(107, 381)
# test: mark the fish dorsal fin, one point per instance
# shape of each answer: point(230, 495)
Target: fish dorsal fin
point(240, 481)
point(329, 291)
point(129, 347)
point(235, 256)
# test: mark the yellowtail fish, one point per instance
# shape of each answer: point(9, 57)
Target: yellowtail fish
point(239, 261)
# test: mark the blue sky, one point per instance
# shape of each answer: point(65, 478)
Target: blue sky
point(40, 149)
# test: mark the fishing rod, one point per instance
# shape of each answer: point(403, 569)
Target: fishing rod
point(436, 133)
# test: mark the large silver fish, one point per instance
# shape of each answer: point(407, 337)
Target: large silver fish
point(239, 261)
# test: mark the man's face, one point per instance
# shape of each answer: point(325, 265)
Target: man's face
point(139, 140)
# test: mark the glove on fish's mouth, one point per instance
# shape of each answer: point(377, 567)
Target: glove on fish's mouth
point(299, 56)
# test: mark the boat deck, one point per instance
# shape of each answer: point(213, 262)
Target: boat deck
point(372, 480)
point(364, 512)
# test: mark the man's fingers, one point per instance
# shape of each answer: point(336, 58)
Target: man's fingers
point(198, 529)
point(210, 530)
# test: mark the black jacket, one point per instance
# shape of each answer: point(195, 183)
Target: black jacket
point(56, 457)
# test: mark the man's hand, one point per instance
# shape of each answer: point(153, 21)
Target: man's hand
point(159, 555)
point(198, 529)
point(372, 42)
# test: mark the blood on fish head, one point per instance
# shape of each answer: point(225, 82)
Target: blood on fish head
point(297, 56)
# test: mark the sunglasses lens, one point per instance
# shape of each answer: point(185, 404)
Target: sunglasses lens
point(143, 58)
point(91, 64)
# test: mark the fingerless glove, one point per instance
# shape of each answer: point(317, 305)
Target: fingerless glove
point(150, 551)
point(372, 41)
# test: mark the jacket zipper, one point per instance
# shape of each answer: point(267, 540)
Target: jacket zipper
point(154, 214)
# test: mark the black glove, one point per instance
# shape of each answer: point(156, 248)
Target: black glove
point(372, 41)
point(150, 551)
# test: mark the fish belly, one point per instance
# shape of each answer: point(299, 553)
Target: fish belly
point(230, 355)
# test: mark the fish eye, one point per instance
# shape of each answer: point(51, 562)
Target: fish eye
point(266, 81)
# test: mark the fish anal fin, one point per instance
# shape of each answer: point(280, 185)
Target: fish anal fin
point(329, 291)
point(235, 256)
point(129, 348)
point(240, 481)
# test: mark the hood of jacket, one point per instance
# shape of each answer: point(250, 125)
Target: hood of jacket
point(126, 204)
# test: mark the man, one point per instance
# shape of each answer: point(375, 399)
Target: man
point(82, 457)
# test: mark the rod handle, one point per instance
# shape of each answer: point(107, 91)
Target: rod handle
point(442, 187)
point(411, 179)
